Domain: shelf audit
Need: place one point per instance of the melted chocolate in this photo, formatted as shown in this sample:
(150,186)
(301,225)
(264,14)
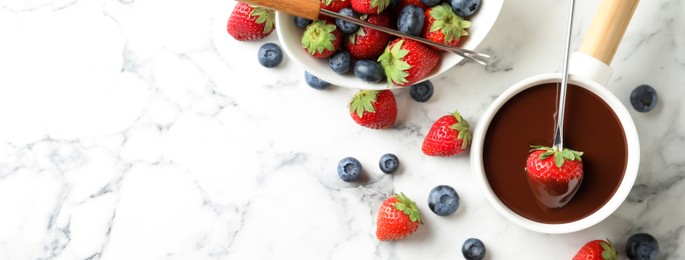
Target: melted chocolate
(528,119)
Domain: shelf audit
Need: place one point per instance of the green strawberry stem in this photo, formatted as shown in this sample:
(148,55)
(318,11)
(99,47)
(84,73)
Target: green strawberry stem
(363,102)
(381,4)
(463,127)
(559,156)
(393,65)
(264,16)
(408,207)
(447,22)
(318,37)
(609,253)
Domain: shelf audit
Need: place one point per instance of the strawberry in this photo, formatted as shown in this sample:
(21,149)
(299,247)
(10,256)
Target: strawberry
(442,25)
(249,23)
(448,136)
(398,217)
(368,43)
(407,61)
(321,39)
(370,6)
(554,176)
(375,109)
(334,5)
(596,249)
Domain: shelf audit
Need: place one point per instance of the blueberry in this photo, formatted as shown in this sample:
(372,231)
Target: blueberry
(643,98)
(430,3)
(302,22)
(349,169)
(465,8)
(389,163)
(421,92)
(642,246)
(368,71)
(411,20)
(443,200)
(315,82)
(270,55)
(340,62)
(345,26)
(473,249)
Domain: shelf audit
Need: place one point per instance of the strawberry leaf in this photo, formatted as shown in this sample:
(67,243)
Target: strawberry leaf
(558,159)
(264,16)
(408,207)
(319,37)
(609,253)
(391,60)
(545,155)
(363,102)
(463,127)
(448,23)
(381,4)
(327,2)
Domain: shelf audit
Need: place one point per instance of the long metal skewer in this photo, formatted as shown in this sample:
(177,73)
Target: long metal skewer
(559,131)
(468,54)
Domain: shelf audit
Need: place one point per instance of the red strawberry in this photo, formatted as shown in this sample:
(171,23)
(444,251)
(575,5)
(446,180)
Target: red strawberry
(321,39)
(596,249)
(375,109)
(398,217)
(407,61)
(370,6)
(368,43)
(442,25)
(448,136)
(334,5)
(553,175)
(248,23)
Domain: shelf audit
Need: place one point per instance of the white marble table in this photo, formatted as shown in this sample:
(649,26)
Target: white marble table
(138,129)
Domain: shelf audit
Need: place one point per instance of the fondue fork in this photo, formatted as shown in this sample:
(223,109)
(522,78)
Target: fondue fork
(559,130)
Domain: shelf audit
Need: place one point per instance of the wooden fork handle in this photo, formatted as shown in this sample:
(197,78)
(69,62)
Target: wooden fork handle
(303,8)
(607,29)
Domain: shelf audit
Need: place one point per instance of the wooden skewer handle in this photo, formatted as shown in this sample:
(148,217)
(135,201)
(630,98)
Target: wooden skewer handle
(607,29)
(303,8)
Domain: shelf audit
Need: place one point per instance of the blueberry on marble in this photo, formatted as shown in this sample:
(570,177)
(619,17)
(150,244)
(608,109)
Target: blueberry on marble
(270,55)
(349,169)
(642,246)
(465,8)
(443,200)
(315,82)
(302,22)
(411,20)
(643,98)
(421,92)
(341,62)
(473,249)
(430,3)
(389,163)
(369,71)
(345,26)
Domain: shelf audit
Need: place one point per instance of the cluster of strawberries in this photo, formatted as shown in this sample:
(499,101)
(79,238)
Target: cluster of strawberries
(404,61)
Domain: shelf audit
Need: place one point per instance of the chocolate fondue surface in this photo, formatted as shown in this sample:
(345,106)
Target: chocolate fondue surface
(527,119)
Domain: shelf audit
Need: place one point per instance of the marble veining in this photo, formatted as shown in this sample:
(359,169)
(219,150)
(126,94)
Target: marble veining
(138,129)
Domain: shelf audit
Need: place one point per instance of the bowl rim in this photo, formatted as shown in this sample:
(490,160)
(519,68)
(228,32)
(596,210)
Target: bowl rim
(629,177)
(284,21)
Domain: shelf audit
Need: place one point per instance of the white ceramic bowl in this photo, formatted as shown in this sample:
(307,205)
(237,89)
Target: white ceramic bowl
(592,72)
(290,37)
